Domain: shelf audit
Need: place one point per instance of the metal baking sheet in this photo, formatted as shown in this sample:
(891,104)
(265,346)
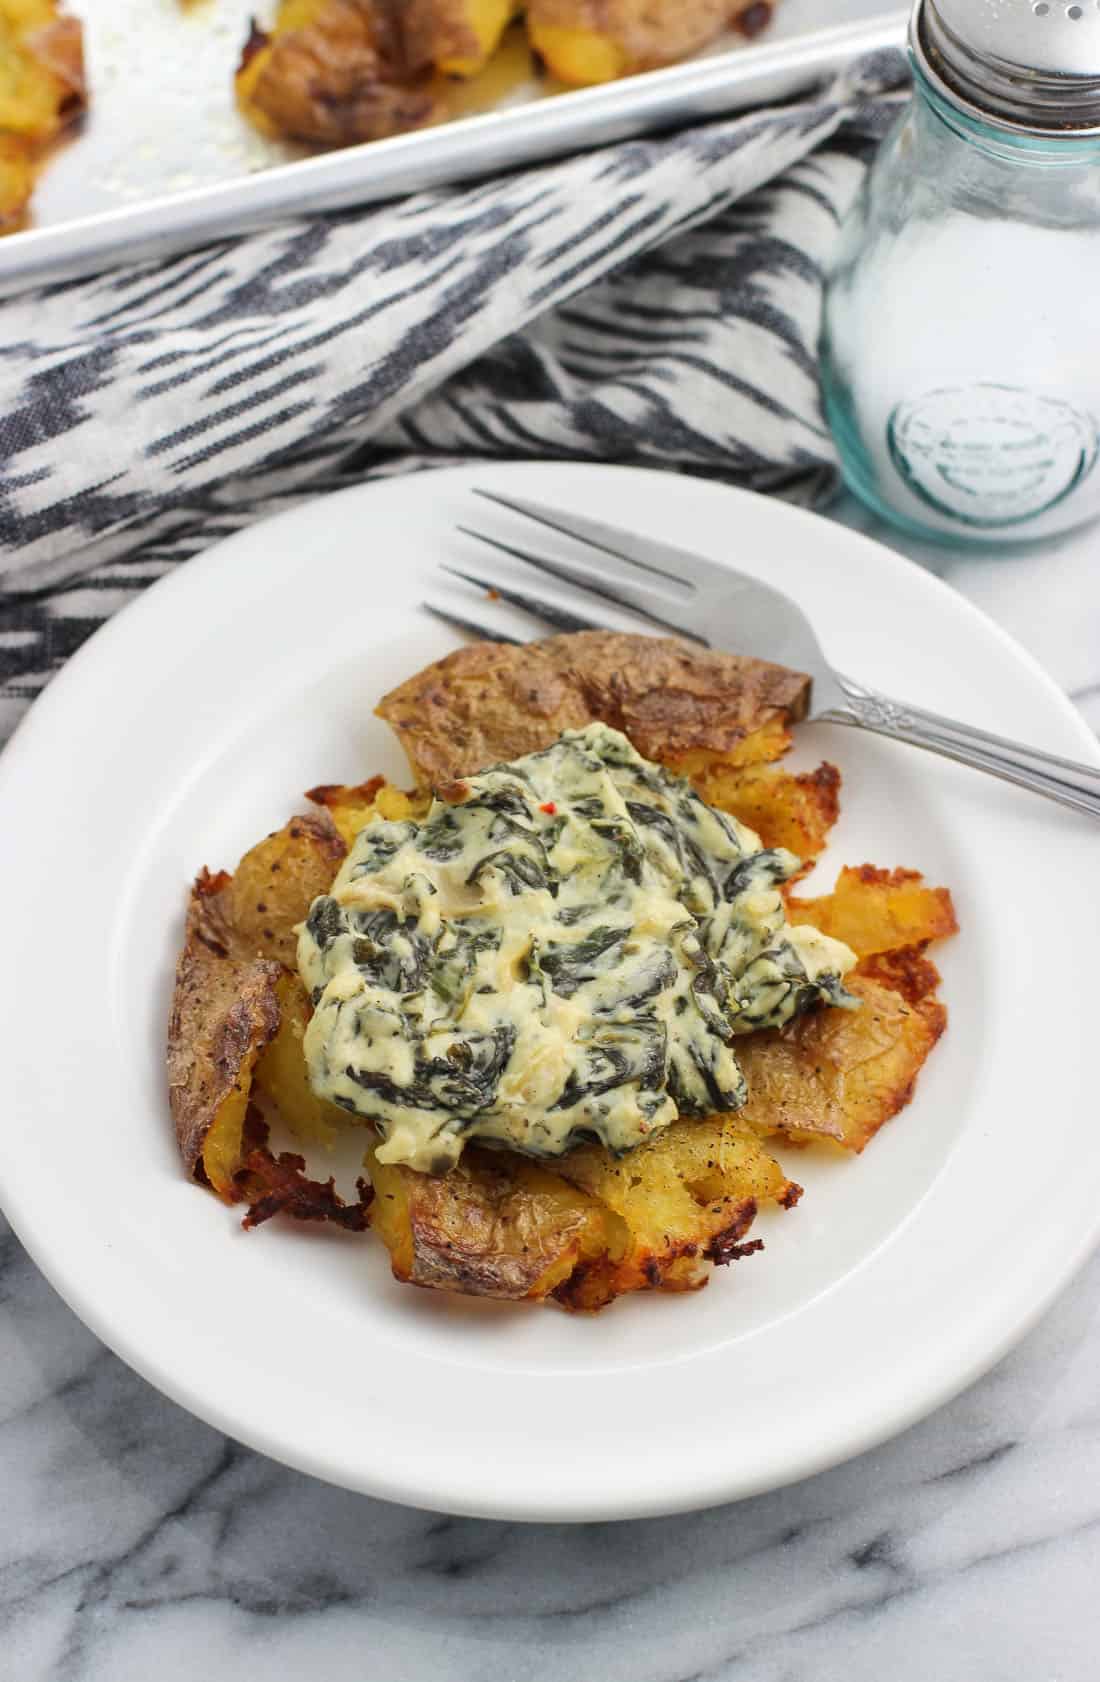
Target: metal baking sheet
(165,161)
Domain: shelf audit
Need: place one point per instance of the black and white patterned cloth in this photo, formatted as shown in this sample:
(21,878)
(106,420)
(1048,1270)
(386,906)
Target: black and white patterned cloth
(655,302)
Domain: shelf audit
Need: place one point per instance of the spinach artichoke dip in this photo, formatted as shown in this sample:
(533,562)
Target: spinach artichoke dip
(566,948)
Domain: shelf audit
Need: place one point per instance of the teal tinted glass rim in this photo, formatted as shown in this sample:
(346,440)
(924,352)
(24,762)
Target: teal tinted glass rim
(984,123)
(1055,148)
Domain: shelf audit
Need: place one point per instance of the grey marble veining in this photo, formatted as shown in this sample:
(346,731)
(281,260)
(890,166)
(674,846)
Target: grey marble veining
(138,1545)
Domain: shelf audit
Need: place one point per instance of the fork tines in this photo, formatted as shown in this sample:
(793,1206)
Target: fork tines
(650,593)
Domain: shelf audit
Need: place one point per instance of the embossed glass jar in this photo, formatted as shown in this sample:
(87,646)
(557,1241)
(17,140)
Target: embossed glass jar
(961,338)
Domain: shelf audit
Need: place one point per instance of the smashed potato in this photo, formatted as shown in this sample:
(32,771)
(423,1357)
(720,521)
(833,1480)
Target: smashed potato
(334,72)
(686,1198)
(497,1225)
(839,1074)
(227,1015)
(42,88)
(586,1228)
(489,701)
(587,41)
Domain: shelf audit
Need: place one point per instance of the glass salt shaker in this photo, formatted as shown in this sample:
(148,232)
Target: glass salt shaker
(961,339)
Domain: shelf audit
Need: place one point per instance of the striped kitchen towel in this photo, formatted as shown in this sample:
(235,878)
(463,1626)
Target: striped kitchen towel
(655,302)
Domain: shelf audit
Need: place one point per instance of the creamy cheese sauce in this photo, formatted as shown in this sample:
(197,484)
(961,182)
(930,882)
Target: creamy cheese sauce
(566,948)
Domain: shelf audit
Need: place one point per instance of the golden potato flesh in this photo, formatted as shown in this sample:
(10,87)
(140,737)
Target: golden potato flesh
(874,910)
(586,41)
(281,1073)
(228,1013)
(685,1198)
(41,68)
(457,37)
(785,810)
(352,807)
(333,72)
(16,180)
(276,883)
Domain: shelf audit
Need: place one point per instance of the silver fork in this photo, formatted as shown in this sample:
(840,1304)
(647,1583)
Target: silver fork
(717,606)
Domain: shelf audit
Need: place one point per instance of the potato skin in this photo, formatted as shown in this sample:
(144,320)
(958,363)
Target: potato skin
(275,884)
(497,1225)
(333,72)
(231,985)
(489,702)
(224,1011)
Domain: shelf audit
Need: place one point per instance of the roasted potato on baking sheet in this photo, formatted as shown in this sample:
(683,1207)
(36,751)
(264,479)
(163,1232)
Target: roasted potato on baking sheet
(586,41)
(585,1228)
(42,89)
(456,37)
(333,72)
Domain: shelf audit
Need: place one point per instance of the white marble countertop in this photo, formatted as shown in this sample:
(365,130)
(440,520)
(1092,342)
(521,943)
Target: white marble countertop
(138,1545)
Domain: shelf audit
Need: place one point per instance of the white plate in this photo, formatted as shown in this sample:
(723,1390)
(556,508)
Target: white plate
(191,724)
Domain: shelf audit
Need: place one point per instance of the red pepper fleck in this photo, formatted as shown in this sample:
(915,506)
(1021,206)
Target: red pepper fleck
(548,806)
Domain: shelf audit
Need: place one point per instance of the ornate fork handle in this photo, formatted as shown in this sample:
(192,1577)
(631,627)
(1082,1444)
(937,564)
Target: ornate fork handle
(1065,780)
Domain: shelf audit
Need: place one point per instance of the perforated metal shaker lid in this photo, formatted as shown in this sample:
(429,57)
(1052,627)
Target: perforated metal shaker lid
(1027,65)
